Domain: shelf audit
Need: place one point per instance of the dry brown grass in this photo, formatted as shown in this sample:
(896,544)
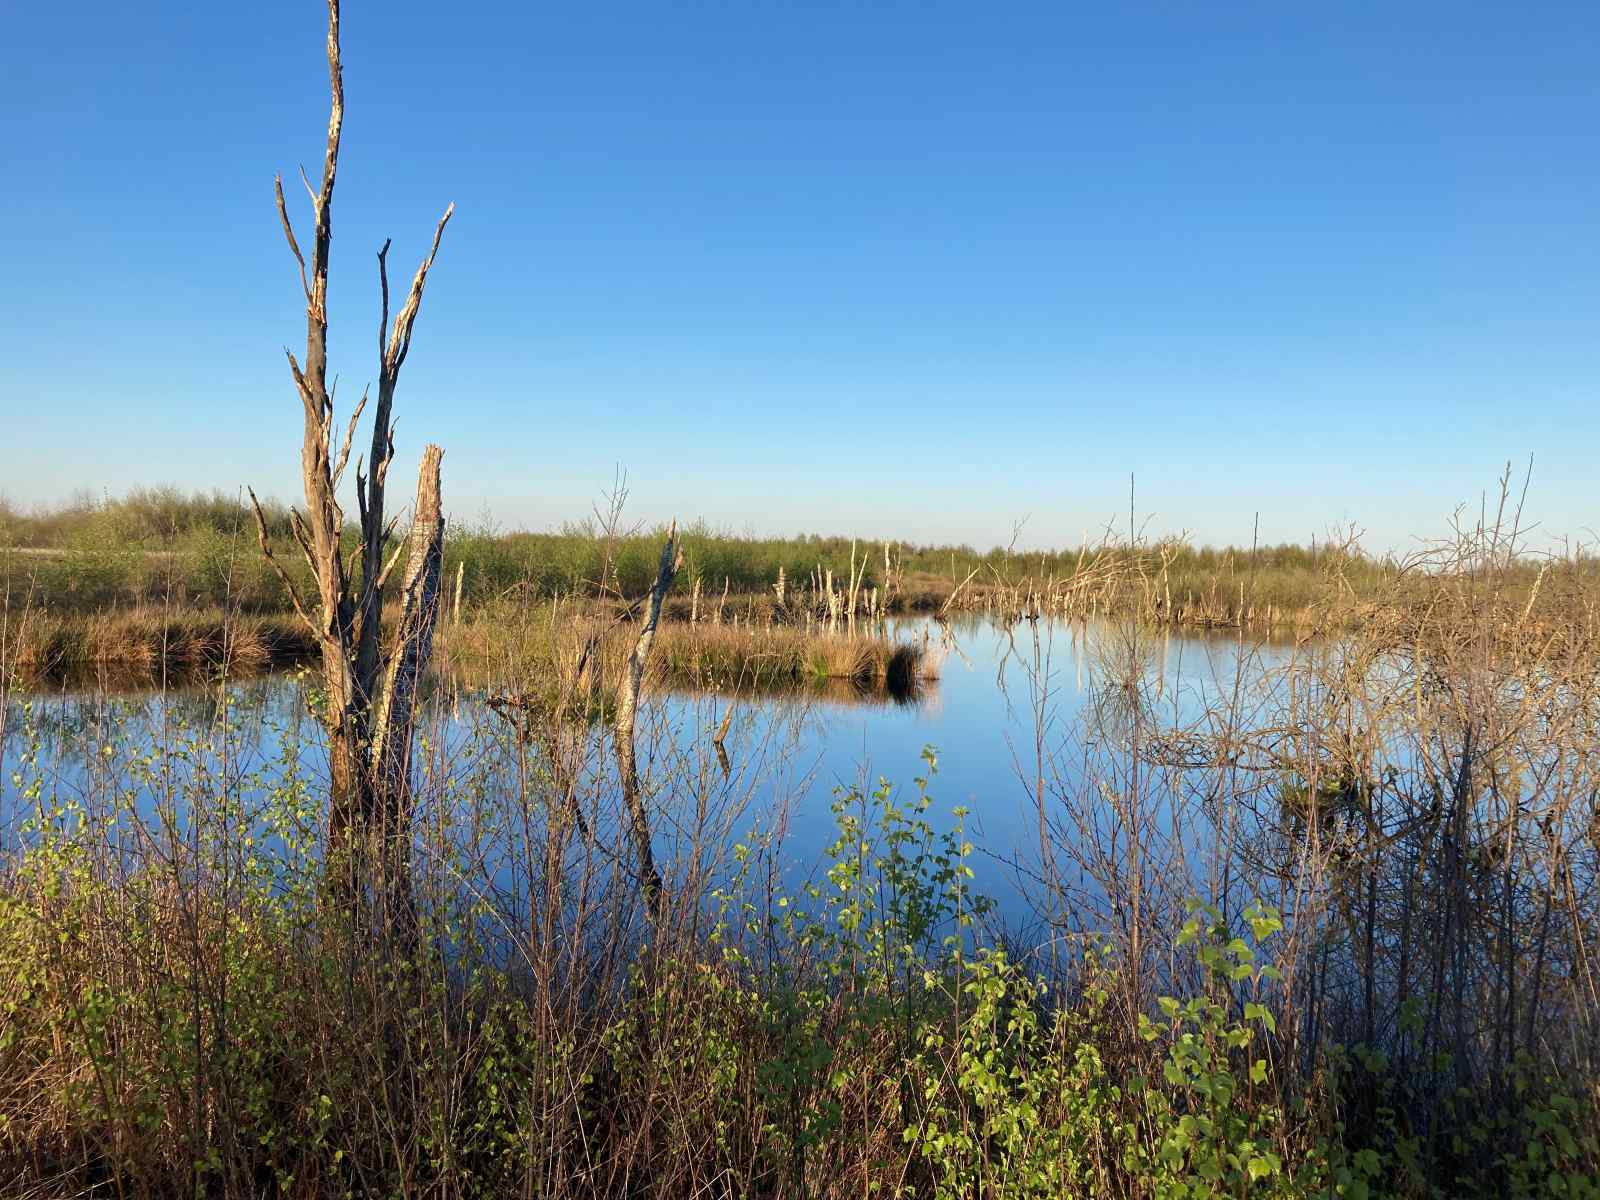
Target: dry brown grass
(563,641)
(149,640)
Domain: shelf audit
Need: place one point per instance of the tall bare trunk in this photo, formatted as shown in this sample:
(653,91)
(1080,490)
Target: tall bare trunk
(627,715)
(394,716)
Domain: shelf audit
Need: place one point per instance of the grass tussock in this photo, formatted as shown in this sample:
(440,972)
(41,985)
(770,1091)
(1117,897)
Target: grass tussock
(150,641)
(709,656)
(562,645)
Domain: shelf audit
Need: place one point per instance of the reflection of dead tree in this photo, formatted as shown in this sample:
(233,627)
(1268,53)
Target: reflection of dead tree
(627,713)
(719,740)
(368,697)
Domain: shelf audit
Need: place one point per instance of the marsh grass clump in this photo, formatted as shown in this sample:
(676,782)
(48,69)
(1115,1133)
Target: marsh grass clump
(149,641)
(565,645)
(770,656)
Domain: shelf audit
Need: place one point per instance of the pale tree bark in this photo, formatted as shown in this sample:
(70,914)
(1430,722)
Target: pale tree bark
(627,715)
(394,715)
(368,775)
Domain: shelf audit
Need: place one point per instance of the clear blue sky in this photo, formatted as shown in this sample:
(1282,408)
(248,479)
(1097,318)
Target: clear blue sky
(891,269)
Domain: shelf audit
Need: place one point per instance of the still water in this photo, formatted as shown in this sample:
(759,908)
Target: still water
(1008,705)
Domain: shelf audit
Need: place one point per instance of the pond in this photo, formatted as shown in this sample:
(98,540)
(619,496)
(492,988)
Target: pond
(1013,712)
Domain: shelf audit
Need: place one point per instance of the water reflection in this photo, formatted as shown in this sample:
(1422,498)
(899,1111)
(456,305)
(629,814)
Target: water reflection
(1009,709)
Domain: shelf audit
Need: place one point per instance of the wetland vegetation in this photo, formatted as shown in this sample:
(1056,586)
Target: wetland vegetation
(340,861)
(1296,916)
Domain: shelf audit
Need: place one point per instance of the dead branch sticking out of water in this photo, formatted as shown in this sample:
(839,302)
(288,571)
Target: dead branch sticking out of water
(627,713)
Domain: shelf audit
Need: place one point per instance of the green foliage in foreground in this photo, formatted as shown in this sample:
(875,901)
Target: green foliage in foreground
(200,1020)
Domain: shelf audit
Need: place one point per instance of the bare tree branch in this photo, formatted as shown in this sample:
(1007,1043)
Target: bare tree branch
(380,469)
(297,526)
(288,232)
(383,287)
(383,575)
(349,434)
(300,383)
(406,318)
(277,567)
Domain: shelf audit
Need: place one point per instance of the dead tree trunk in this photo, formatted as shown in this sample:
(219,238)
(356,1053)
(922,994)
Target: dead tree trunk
(394,713)
(627,714)
(394,717)
(367,780)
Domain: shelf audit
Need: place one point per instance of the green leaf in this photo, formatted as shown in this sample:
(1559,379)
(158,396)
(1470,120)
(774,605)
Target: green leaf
(1258,1012)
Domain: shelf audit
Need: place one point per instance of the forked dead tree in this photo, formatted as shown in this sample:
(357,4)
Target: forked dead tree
(369,698)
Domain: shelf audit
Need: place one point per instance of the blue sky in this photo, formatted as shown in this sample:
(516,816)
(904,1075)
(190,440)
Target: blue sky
(914,270)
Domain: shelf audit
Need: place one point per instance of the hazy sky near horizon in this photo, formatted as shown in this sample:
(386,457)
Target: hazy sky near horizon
(913,270)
